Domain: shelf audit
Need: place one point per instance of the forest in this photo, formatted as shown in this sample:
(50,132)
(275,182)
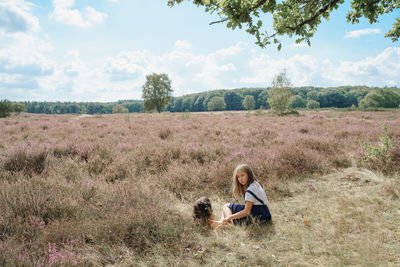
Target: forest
(224,99)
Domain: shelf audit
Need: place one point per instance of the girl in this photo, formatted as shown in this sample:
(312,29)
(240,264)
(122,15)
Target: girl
(244,184)
(202,211)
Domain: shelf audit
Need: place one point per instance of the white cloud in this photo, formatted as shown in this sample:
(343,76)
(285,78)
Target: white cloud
(300,68)
(64,13)
(73,66)
(182,44)
(23,64)
(231,50)
(15,17)
(383,69)
(122,76)
(93,16)
(304,70)
(14,81)
(27,44)
(31,65)
(359,33)
(71,54)
(26,57)
(188,71)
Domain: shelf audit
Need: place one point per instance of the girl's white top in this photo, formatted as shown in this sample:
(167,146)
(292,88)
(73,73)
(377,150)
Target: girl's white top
(258,191)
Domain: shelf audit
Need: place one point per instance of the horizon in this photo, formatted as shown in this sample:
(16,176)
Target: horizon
(79,51)
(203,92)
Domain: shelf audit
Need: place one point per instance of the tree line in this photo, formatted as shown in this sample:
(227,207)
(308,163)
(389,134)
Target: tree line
(121,106)
(235,99)
(302,97)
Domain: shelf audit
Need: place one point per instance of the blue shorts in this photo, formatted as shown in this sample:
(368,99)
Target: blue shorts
(258,212)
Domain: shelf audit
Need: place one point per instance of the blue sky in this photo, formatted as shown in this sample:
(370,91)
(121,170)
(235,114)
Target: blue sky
(86,50)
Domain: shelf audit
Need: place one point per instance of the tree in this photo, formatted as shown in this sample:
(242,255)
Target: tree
(381,98)
(119,109)
(216,103)
(233,100)
(331,97)
(18,107)
(156,92)
(293,18)
(5,108)
(280,94)
(297,102)
(211,95)
(312,104)
(198,104)
(187,103)
(262,100)
(313,95)
(351,99)
(249,102)
(178,105)
(392,98)
(134,107)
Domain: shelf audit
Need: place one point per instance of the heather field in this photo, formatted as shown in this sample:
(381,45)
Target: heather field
(118,190)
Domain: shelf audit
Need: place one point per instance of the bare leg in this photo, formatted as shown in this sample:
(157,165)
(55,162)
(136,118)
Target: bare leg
(226,211)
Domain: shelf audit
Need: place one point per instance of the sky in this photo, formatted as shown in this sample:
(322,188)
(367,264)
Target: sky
(102,50)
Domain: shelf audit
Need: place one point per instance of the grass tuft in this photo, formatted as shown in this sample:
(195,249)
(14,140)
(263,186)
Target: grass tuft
(27,161)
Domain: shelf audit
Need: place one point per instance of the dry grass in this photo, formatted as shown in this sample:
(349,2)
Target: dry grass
(107,190)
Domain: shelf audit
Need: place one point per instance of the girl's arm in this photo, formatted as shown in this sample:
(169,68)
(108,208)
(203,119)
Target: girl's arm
(214,224)
(240,214)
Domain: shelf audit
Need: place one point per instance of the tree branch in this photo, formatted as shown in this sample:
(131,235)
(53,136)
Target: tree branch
(255,7)
(319,13)
(218,21)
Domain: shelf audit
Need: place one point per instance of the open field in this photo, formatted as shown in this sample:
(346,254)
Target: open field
(118,190)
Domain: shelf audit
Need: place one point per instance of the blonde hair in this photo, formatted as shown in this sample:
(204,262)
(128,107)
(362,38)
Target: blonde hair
(237,188)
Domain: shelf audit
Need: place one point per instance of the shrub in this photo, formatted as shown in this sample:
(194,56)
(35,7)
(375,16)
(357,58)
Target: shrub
(62,151)
(312,104)
(383,157)
(183,180)
(341,162)
(164,133)
(69,169)
(26,161)
(98,159)
(291,161)
(119,109)
(216,103)
(248,102)
(155,161)
(18,107)
(304,130)
(5,108)
(325,147)
(117,173)
(34,197)
(97,164)
(142,222)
